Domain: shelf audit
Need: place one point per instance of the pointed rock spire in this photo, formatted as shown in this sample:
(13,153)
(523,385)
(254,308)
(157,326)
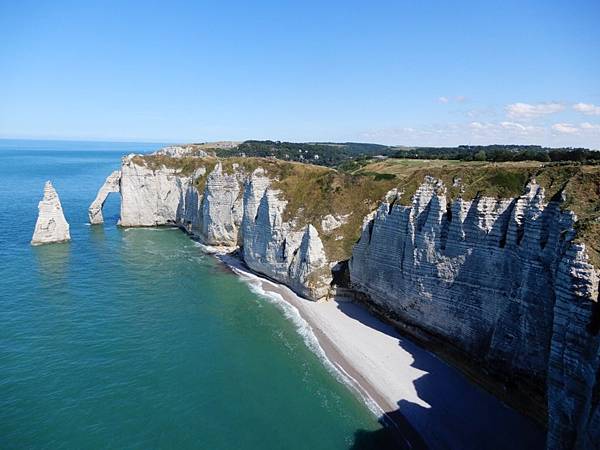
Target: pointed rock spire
(51,225)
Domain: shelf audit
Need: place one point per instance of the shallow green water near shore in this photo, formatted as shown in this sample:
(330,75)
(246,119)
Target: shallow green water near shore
(135,339)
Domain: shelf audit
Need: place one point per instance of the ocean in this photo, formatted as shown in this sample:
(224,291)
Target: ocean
(136,339)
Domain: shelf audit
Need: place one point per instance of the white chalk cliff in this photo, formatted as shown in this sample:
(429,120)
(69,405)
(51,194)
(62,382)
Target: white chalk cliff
(503,280)
(51,225)
(179,151)
(233,210)
(112,184)
(150,197)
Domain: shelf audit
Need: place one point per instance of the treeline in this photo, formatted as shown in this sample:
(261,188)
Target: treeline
(500,153)
(349,155)
(321,153)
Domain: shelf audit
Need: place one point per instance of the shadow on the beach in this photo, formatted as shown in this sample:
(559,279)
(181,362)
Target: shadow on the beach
(396,434)
(360,313)
(460,414)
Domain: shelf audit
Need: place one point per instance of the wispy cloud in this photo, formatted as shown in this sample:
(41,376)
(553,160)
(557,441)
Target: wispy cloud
(530,111)
(456,99)
(585,134)
(565,128)
(459,133)
(497,129)
(587,108)
(587,128)
(479,126)
(515,126)
(590,126)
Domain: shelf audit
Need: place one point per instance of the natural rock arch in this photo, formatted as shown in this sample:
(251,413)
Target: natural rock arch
(112,184)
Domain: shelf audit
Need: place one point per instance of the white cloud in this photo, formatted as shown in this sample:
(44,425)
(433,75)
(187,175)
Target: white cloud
(587,108)
(565,128)
(590,126)
(585,134)
(528,111)
(477,125)
(514,126)
(455,99)
(584,128)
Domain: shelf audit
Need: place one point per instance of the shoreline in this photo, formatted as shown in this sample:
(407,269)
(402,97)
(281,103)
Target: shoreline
(424,401)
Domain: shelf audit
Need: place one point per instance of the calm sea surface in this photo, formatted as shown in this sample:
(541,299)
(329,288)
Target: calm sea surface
(133,339)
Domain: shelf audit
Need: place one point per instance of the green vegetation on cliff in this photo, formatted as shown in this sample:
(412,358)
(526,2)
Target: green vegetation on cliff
(579,183)
(312,191)
(499,153)
(318,153)
(346,154)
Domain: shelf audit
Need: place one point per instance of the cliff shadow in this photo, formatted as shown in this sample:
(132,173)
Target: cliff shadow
(453,412)
(366,316)
(392,436)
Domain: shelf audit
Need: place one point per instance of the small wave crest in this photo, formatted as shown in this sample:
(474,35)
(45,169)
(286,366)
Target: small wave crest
(151,228)
(303,328)
(210,249)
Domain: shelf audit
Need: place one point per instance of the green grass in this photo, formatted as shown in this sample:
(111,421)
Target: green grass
(580,183)
(312,191)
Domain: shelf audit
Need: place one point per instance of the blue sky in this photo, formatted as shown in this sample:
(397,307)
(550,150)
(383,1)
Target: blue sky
(413,73)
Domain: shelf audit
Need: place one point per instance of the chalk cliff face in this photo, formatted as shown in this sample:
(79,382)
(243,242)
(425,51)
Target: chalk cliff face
(51,225)
(501,279)
(179,151)
(235,209)
(150,197)
(574,362)
(277,248)
(222,207)
(504,280)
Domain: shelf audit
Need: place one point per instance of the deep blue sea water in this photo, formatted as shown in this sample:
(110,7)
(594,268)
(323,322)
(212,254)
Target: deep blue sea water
(134,339)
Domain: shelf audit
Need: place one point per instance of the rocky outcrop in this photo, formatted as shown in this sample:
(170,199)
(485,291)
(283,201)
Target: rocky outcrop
(180,151)
(111,184)
(501,279)
(330,222)
(278,249)
(150,197)
(236,209)
(51,225)
(222,207)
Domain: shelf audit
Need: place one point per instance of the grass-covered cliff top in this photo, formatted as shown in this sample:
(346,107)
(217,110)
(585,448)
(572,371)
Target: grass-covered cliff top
(339,154)
(580,183)
(314,191)
(311,191)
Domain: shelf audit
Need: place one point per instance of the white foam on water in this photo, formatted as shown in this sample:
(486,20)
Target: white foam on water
(150,228)
(212,250)
(303,328)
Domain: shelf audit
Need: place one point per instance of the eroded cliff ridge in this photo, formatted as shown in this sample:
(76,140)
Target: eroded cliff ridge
(499,261)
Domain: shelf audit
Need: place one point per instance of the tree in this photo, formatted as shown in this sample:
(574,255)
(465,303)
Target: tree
(480,156)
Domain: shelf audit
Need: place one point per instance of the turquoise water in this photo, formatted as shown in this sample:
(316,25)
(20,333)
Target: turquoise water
(132,338)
